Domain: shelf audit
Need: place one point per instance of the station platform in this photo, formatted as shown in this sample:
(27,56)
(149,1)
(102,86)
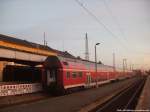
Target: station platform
(73,102)
(144,100)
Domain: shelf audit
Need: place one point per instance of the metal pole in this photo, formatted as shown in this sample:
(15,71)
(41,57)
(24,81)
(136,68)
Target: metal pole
(96,64)
(114,65)
(86,48)
(44,40)
(123,66)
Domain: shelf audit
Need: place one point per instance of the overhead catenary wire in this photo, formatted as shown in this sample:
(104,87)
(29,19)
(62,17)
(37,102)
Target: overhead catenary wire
(101,23)
(114,18)
(98,20)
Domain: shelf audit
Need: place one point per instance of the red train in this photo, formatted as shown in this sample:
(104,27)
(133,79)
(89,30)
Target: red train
(63,74)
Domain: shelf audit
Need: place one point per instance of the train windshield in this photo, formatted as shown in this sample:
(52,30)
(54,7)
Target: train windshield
(51,76)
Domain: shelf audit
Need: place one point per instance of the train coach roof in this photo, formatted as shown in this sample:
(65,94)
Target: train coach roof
(85,64)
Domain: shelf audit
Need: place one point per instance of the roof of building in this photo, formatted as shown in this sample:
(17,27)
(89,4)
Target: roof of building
(42,47)
(23,42)
(34,45)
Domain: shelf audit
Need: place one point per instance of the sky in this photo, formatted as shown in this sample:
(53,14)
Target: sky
(120,26)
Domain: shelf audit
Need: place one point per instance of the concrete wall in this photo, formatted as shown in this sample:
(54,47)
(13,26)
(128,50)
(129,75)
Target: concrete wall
(1,76)
(1,70)
(2,65)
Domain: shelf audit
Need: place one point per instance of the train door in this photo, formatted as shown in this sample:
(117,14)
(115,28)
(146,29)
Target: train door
(51,76)
(88,79)
(108,78)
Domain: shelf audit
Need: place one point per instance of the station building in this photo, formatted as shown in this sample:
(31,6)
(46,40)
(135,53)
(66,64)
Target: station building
(19,45)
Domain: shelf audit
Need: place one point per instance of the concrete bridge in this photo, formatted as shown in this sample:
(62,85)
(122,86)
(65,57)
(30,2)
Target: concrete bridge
(22,51)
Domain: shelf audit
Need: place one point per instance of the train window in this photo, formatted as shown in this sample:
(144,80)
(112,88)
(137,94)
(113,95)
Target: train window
(68,75)
(80,74)
(74,74)
(52,74)
(65,63)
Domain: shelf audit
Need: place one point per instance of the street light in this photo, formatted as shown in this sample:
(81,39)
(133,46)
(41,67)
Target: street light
(96,64)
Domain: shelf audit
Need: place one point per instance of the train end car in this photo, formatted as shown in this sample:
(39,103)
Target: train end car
(63,74)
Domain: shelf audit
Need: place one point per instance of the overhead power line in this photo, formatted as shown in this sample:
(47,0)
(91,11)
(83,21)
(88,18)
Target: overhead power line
(115,20)
(100,23)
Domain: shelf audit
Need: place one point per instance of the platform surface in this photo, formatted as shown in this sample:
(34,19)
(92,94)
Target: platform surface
(72,102)
(144,100)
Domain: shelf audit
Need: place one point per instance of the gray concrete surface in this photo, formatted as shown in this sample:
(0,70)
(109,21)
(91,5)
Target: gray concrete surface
(72,102)
(144,101)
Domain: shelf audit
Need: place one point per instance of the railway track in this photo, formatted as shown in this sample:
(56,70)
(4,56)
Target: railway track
(123,101)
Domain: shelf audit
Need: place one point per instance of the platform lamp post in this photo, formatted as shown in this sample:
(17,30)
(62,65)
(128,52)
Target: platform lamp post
(96,65)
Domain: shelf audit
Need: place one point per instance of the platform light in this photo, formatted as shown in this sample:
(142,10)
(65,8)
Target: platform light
(96,64)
